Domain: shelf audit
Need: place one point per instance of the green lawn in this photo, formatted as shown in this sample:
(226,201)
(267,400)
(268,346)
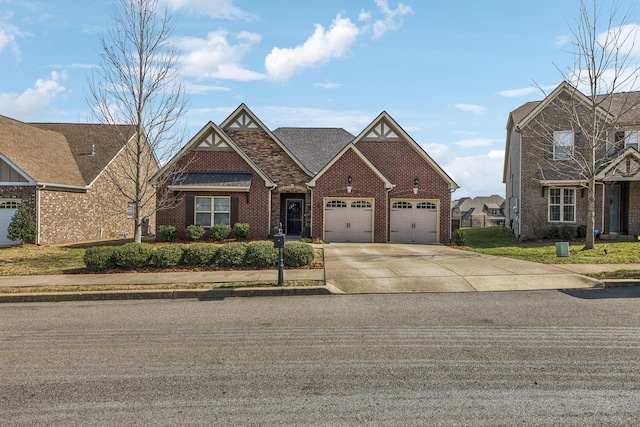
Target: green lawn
(500,242)
(36,260)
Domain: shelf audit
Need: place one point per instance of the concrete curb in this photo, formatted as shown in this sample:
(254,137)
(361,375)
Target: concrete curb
(620,283)
(203,294)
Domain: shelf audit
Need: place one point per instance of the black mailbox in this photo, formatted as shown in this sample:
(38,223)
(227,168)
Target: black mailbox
(278,240)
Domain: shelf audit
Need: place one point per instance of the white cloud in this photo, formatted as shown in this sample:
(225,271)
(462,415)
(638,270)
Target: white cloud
(323,45)
(513,93)
(215,57)
(475,109)
(33,101)
(195,89)
(392,18)
(327,85)
(479,175)
(624,39)
(8,34)
(562,40)
(476,142)
(225,9)
(438,152)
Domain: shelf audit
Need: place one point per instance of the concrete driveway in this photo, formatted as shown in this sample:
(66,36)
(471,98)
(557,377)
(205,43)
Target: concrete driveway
(390,268)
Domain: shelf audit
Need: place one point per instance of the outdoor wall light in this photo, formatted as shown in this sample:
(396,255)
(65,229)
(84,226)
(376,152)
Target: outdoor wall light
(415,186)
(349,187)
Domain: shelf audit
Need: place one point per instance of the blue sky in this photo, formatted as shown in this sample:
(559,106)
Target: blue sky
(448,72)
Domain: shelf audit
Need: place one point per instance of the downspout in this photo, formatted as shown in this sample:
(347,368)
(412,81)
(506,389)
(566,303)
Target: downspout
(387,213)
(602,213)
(311,212)
(38,201)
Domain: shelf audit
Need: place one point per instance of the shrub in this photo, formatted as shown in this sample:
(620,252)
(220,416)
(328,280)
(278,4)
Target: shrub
(167,233)
(194,232)
(200,254)
(261,254)
(551,233)
(568,232)
(232,254)
(459,238)
(22,226)
(219,232)
(581,231)
(241,231)
(306,232)
(99,258)
(167,256)
(297,254)
(133,255)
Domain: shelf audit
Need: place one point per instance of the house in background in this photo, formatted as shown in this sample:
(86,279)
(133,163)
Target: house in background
(60,171)
(378,186)
(543,186)
(477,212)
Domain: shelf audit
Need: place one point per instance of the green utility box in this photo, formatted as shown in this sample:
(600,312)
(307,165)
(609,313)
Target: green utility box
(562,248)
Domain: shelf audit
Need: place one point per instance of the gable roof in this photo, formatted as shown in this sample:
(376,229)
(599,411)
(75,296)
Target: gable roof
(397,132)
(351,146)
(314,147)
(244,119)
(211,127)
(93,146)
(626,167)
(43,155)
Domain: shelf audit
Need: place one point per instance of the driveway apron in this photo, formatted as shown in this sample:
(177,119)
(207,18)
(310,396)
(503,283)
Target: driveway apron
(392,268)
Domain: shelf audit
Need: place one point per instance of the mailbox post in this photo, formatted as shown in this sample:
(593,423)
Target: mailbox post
(278,243)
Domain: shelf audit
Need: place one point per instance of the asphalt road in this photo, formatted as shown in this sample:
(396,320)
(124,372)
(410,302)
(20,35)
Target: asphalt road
(504,358)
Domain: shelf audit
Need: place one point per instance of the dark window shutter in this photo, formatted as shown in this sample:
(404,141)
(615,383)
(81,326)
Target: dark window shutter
(189,213)
(234,210)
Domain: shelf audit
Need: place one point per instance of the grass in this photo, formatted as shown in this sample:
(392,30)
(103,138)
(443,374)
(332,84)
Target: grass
(501,242)
(42,260)
(177,286)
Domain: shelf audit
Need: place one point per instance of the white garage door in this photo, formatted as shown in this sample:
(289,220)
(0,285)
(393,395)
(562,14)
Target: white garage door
(348,220)
(414,221)
(7,209)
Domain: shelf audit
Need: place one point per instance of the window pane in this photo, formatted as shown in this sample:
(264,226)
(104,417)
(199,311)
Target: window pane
(554,213)
(203,204)
(569,213)
(221,204)
(221,218)
(554,196)
(568,197)
(562,145)
(203,219)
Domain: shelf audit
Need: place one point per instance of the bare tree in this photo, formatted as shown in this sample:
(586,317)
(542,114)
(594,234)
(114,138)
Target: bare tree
(138,86)
(604,67)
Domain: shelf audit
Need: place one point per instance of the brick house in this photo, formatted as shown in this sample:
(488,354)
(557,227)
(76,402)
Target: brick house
(379,186)
(60,170)
(480,211)
(544,188)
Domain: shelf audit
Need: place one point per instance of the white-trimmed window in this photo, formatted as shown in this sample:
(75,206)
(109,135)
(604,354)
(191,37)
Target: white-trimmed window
(562,145)
(130,209)
(212,210)
(562,205)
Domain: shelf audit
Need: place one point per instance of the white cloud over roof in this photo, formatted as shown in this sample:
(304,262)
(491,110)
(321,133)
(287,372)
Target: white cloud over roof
(225,9)
(34,100)
(322,46)
(472,108)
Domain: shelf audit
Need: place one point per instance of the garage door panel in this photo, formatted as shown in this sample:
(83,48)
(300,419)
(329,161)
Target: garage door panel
(413,221)
(348,221)
(7,210)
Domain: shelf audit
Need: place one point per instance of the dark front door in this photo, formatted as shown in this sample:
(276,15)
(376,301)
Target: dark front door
(294,216)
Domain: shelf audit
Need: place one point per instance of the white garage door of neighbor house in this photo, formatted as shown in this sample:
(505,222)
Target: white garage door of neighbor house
(414,221)
(7,209)
(348,221)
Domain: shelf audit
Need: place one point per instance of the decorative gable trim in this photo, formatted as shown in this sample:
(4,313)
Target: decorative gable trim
(625,168)
(213,131)
(382,131)
(569,89)
(351,146)
(244,119)
(12,172)
(385,124)
(213,141)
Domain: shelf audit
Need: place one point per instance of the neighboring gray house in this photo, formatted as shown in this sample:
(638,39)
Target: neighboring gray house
(478,212)
(543,185)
